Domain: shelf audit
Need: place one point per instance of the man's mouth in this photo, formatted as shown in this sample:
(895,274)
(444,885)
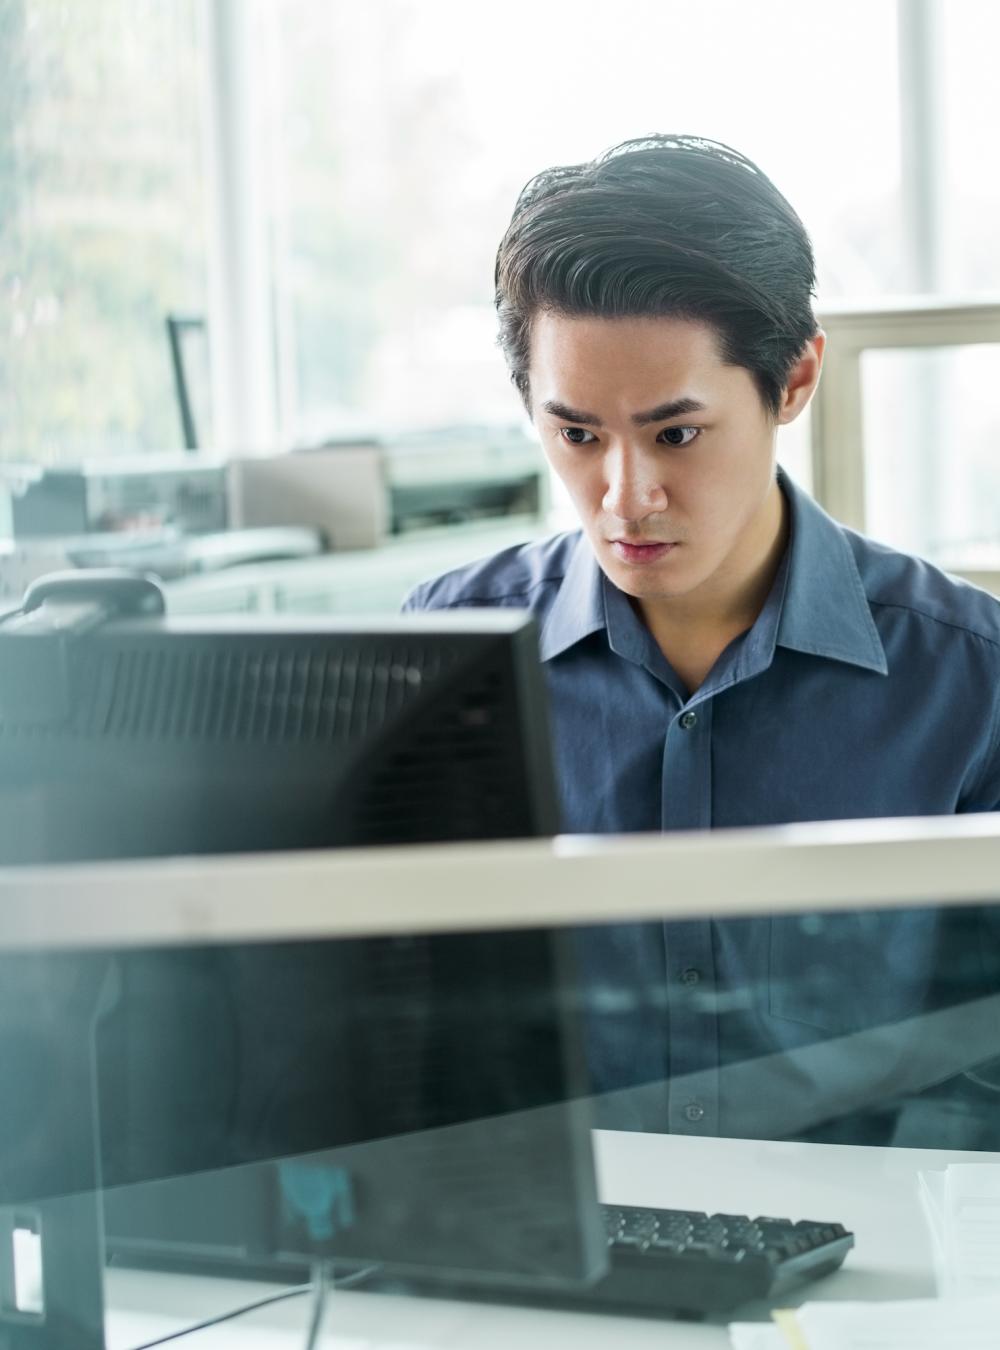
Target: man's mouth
(639,553)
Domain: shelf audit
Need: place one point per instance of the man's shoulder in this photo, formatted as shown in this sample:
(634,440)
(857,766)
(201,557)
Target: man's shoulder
(525,576)
(901,581)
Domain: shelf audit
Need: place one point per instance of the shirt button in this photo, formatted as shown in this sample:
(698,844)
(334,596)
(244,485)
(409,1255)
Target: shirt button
(690,976)
(694,1111)
(689,720)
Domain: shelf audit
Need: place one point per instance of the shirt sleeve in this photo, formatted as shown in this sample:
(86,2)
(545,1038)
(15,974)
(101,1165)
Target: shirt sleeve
(414,599)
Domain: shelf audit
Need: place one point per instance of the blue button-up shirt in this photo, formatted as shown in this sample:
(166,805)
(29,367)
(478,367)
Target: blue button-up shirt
(869,685)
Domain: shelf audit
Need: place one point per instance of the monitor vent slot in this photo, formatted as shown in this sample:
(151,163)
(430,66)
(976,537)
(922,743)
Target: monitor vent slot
(463,758)
(257,694)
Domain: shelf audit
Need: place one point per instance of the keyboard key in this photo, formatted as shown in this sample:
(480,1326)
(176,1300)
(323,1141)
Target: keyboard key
(687,1262)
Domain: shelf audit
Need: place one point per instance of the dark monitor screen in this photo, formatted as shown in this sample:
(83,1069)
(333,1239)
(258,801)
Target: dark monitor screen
(153,736)
(444,1071)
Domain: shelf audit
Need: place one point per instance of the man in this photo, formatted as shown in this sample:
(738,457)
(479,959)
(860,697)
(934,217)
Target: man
(719,651)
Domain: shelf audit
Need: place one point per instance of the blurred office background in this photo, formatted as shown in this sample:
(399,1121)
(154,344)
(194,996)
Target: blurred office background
(306,196)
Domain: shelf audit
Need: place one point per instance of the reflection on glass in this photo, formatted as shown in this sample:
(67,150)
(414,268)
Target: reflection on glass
(418,1110)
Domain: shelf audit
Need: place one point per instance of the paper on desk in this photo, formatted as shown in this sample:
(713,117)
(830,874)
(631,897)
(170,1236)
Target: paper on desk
(962,1207)
(930,1191)
(972,1227)
(756,1336)
(916,1324)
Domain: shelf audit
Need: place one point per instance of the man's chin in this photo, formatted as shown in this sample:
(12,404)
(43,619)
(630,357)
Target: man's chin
(647,584)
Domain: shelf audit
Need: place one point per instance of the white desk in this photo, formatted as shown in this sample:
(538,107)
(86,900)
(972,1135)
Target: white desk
(872,1191)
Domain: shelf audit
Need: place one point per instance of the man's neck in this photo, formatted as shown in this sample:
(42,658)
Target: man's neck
(693,630)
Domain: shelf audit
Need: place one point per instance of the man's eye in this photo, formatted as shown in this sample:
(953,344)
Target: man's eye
(680,435)
(577,435)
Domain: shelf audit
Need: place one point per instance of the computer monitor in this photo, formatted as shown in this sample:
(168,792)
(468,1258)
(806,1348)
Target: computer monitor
(439,1074)
(150,736)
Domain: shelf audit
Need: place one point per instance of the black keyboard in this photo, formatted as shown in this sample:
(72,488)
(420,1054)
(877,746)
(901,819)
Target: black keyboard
(678,1262)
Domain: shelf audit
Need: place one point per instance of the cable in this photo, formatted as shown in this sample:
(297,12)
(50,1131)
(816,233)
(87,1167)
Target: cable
(986,1083)
(359,1276)
(318,1286)
(319,1283)
(297,1292)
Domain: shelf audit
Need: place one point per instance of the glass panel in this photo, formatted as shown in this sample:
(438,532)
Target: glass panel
(470,1070)
(931,431)
(529,1116)
(101,222)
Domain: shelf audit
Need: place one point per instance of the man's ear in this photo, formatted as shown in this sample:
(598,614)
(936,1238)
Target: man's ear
(802,379)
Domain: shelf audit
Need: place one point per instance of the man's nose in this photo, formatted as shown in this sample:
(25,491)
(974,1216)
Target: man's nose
(632,485)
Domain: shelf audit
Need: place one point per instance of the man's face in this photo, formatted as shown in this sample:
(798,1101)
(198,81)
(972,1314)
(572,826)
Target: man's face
(666,452)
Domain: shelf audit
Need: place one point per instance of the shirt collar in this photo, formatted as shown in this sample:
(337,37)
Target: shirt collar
(825,611)
(578,609)
(817,605)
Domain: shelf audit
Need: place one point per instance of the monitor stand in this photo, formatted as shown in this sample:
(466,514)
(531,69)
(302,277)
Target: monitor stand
(52,1275)
(52,1249)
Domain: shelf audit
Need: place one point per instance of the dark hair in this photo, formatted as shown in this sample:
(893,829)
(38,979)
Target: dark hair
(662,226)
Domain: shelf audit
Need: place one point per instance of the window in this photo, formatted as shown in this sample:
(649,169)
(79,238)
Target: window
(931,468)
(389,142)
(101,222)
(968,107)
(405,131)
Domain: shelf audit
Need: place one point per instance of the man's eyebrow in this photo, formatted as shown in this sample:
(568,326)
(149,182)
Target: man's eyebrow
(678,407)
(566,414)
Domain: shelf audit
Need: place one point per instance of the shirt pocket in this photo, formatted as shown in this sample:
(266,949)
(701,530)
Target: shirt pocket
(844,972)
